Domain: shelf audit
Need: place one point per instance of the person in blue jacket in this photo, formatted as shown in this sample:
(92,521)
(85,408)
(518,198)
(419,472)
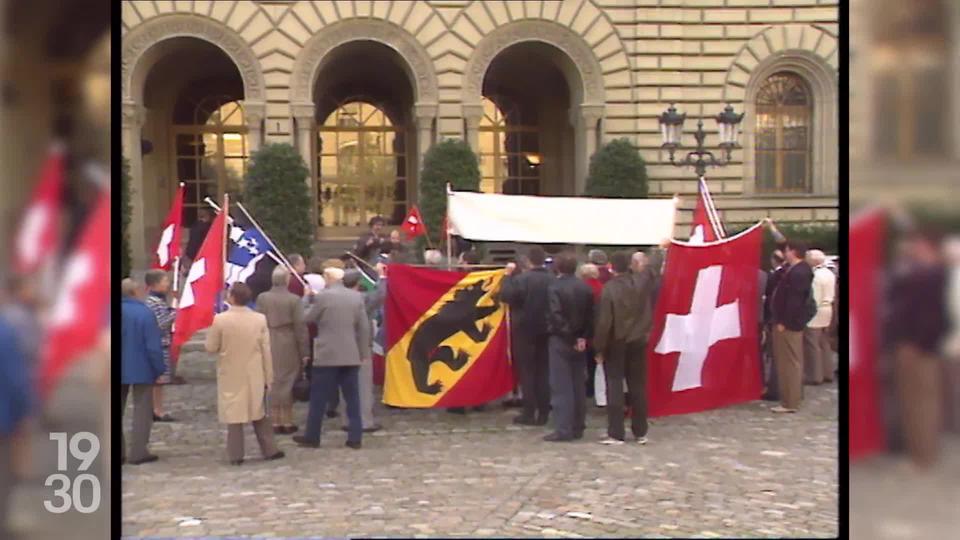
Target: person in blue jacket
(15,398)
(141,365)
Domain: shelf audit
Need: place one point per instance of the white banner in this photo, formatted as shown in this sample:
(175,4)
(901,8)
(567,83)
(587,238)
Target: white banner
(560,220)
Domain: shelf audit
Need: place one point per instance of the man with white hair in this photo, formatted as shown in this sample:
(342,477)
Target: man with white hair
(433,257)
(818,357)
(342,345)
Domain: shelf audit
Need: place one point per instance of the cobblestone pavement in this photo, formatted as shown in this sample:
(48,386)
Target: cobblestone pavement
(891,501)
(740,471)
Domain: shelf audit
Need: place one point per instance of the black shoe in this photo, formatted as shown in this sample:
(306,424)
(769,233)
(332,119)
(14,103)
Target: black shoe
(457,410)
(290,429)
(480,408)
(373,428)
(278,455)
(355,445)
(149,458)
(237,462)
(577,436)
(524,421)
(541,420)
(176,379)
(165,418)
(556,437)
(279,430)
(304,442)
(332,414)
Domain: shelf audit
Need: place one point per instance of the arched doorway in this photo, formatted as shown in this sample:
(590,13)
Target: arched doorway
(365,143)
(194,130)
(526,142)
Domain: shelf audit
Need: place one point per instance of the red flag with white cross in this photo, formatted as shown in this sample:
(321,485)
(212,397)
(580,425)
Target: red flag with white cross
(867,232)
(707,226)
(168,247)
(36,240)
(413,224)
(704,349)
(204,282)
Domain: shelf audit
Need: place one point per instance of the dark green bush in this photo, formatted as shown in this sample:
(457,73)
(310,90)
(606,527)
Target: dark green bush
(451,161)
(276,195)
(617,170)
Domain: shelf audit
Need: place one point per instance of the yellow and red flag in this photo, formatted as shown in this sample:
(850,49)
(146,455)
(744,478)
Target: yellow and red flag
(447,338)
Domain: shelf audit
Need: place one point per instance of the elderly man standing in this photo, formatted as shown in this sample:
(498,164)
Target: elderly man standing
(790,317)
(599,258)
(288,346)
(342,344)
(817,355)
(141,364)
(351,280)
(295,286)
(158,286)
(241,339)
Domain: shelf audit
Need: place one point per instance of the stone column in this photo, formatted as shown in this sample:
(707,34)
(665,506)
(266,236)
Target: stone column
(584,120)
(425,114)
(303,117)
(472,114)
(254,112)
(133,117)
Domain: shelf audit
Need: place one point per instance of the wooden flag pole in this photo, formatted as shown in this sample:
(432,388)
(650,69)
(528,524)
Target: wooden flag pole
(176,260)
(275,248)
(446,227)
(223,254)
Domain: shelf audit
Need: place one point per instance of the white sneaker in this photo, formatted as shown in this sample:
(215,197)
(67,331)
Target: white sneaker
(610,441)
(641,440)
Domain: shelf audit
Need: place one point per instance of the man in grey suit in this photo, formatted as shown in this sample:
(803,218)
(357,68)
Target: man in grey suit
(351,280)
(342,345)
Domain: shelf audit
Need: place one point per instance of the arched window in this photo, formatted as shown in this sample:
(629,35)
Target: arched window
(210,138)
(510,156)
(784,109)
(362,166)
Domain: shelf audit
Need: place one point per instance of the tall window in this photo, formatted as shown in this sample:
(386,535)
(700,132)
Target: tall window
(509,149)
(910,61)
(211,151)
(362,166)
(783,145)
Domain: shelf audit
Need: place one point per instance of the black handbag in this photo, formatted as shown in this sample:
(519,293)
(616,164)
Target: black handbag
(301,388)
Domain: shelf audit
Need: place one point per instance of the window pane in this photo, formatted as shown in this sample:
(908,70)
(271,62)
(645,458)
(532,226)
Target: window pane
(186,169)
(234,145)
(186,144)
(795,171)
(795,138)
(487,139)
(930,131)
(766,171)
(487,185)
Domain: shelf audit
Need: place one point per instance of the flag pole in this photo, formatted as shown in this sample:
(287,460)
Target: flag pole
(223,248)
(446,227)
(176,260)
(274,246)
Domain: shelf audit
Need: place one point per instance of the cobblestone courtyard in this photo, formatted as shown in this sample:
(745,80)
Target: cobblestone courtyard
(740,471)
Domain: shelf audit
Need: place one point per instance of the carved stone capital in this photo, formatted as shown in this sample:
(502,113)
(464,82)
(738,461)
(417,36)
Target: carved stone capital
(311,57)
(585,116)
(303,113)
(425,113)
(134,114)
(254,112)
(573,45)
(164,27)
(473,113)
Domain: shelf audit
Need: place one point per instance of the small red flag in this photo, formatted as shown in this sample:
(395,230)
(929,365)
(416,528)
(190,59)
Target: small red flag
(37,237)
(78,314)
(204,281)
(706,220)
(168,247)
(413,224)
(866,243)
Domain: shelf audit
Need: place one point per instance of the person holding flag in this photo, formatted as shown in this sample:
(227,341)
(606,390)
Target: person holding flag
(370,243)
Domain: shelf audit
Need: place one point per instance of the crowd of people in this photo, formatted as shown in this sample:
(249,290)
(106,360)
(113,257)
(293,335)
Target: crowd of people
(577,331)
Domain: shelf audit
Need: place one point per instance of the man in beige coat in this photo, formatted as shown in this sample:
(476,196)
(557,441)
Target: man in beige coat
(342,344)
(288,346)
(241,340)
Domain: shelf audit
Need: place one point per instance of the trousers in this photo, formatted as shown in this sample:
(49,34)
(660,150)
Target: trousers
(920,390)
(6,481)
(626,360)
(365,384)
(788,357)
(325,382)
(534,362)
(262,428)
(142,419)
(817,356)
(568,393)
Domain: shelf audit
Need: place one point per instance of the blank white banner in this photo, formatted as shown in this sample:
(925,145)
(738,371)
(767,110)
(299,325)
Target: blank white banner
(560,220)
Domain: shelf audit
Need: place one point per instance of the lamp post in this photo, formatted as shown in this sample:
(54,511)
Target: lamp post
(671,128)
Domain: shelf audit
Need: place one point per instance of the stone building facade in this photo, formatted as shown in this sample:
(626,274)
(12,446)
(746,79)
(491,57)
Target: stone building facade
(363,88)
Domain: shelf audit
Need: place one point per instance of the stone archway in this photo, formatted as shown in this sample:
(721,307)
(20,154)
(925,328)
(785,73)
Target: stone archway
(138,43)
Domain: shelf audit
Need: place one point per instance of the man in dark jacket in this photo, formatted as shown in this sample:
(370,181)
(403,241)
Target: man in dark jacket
(141,364)
(789,316)
(569,325)
(624,318)
(526,294)
(370,243)
(14,406)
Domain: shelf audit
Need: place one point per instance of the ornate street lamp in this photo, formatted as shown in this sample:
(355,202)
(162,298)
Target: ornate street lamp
(671,128)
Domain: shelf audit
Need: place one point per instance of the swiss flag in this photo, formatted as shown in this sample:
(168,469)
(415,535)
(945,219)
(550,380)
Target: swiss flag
(413,224)
(77,315)
(36,239)
(706,221)
(704,349)
(867,232)
(204,282)
(168,247)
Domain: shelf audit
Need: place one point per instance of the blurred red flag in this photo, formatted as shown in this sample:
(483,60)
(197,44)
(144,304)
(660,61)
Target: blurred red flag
(706,221)
(37,237)
(704,349)
(867,232)
(78,314)
(413,224)
(168,247)
(204,281)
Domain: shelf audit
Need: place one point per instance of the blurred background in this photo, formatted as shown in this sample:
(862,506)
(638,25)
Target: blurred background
(54,320)
(905,160)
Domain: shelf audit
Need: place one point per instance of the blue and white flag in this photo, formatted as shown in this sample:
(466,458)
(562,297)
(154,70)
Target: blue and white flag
(248,249)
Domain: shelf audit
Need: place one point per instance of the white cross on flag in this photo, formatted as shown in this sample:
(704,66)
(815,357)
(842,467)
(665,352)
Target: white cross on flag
(704,349)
